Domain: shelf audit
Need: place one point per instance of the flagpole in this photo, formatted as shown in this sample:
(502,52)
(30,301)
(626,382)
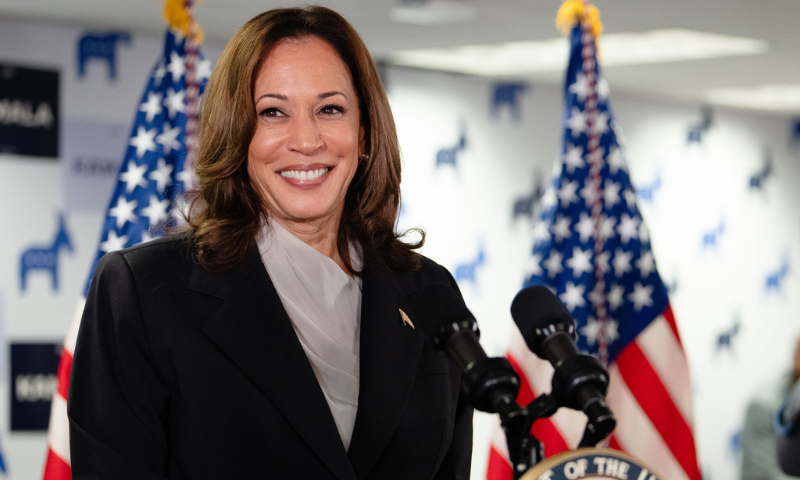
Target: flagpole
(594,155)
(192,98)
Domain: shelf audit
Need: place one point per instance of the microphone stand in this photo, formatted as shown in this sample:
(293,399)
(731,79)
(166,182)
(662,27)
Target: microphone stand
(569,380)
(492,385)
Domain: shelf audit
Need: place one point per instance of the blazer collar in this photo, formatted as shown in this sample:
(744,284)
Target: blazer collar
(390,354)
(253,329)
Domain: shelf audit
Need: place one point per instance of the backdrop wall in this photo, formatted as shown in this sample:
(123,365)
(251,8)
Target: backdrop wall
(723,226)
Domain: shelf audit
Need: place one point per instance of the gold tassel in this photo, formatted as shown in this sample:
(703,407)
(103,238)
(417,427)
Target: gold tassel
(177,17)
(573,11)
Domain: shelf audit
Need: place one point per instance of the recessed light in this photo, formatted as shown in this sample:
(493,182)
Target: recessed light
(616,49)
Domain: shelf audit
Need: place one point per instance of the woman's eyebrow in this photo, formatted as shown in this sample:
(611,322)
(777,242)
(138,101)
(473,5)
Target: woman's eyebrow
(279,96)
(330,94)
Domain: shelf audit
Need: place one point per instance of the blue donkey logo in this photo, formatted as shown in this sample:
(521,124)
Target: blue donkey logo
(447,156)
(758,178)
(648,192)
(726,338)
(711,238)
(698,130)
(102,46)
(524,206)
(466,271)
(507,94)
(45,258)
(775,280)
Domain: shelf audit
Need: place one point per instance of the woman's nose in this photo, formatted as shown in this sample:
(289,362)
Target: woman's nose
(305,136)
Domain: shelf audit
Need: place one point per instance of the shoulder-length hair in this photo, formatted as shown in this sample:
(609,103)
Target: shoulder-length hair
(228,211)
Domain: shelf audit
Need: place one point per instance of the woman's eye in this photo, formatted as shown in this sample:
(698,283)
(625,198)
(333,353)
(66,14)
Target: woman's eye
(332,109)
(271,112)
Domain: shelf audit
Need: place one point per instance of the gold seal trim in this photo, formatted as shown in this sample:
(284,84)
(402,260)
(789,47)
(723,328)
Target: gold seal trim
(556,466)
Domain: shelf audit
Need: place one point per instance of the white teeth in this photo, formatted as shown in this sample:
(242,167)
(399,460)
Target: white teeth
(304,175)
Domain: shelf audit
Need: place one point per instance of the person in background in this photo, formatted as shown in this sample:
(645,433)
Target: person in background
(759,461)
(275,337)
(787,420)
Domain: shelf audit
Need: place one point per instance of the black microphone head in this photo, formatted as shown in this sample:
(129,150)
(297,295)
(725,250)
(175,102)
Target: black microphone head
(538,314)
(440,312)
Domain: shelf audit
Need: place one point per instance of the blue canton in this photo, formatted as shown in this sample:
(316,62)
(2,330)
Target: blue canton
(152,177)
(563,256)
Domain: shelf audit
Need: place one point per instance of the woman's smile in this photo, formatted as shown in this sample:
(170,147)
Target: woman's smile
(305,176)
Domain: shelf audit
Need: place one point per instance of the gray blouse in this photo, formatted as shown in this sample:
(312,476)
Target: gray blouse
(324,305)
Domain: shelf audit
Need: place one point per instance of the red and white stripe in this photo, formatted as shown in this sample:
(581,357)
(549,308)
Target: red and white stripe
(57,465)
(649,392)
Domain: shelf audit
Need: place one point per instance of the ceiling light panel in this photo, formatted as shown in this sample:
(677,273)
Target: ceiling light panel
(775,98)
(616,49)
(433,12)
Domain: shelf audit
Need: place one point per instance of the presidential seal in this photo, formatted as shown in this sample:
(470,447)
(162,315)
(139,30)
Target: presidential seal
(596,463)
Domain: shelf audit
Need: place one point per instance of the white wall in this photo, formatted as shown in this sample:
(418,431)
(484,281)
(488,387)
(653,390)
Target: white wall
(464,209)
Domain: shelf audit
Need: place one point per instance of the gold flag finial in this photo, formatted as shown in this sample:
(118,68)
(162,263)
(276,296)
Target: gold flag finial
(176,14)
(574,11)
(406,320)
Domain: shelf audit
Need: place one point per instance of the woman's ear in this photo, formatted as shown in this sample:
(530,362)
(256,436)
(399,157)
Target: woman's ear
(362,144)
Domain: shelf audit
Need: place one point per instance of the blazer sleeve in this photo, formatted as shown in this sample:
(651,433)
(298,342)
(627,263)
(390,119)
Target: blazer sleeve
(457,462)
(118,400)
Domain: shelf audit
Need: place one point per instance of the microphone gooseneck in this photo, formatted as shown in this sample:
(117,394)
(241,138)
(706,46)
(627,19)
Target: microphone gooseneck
(490,383)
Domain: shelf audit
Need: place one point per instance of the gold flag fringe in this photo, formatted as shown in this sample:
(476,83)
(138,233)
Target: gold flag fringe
(572,12)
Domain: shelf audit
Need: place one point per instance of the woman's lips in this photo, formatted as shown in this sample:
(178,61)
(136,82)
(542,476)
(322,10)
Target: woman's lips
(304,176)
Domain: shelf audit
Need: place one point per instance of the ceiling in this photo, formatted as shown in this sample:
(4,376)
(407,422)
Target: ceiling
(775,21)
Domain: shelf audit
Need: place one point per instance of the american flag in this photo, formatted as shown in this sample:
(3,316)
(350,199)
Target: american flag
(155,173)
(592,248)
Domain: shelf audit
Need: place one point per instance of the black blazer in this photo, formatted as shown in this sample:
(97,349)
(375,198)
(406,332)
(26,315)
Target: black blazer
(184,374)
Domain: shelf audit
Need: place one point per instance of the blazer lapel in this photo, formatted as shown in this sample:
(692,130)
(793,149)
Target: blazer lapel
(390,352)
(253,329)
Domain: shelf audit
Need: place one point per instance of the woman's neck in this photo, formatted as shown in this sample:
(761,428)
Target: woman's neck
(321,235)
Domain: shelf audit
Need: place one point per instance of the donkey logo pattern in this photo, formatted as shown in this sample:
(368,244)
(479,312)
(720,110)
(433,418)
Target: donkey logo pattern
(466,272)
(448,156)
(507,95)
(775,280)
(101,46)
(45,258)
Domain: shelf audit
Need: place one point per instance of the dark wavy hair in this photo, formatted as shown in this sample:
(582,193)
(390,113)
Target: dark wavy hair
(228,211)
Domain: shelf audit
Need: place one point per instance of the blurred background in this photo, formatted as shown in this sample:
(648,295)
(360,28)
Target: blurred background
(706,96)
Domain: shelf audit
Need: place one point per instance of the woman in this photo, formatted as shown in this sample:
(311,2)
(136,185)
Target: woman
(268,341)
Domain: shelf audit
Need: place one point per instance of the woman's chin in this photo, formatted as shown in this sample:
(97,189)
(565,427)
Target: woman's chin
(306,214)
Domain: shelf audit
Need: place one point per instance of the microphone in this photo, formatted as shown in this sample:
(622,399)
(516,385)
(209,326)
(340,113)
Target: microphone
(580,382)
(491,384)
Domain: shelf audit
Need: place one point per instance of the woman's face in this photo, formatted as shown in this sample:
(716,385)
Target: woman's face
(308,137)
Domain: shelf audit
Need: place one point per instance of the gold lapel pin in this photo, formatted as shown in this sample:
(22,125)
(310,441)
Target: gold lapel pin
(406,320)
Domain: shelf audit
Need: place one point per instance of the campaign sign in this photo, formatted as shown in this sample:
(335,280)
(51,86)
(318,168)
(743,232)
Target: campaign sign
(28,111)
(595,463)
(34,368)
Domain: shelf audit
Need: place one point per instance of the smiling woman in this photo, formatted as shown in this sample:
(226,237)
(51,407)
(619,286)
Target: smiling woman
(274,338)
